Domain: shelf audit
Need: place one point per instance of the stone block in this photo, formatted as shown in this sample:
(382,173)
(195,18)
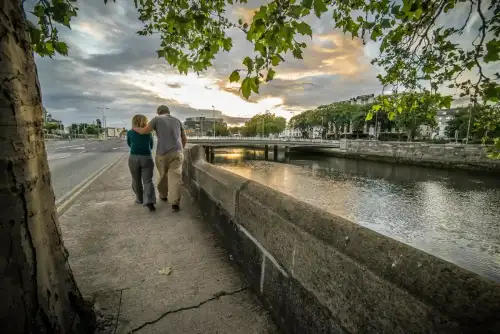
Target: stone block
(221,185)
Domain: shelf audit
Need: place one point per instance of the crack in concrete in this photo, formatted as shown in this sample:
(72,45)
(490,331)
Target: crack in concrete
(118,313)
(216,296)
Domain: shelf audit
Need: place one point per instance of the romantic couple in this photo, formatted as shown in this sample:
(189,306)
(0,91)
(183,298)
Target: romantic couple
(171,142)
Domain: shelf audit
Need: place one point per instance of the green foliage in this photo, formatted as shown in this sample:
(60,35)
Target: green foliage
(220,130)
(335,115)
(264,125)
(44,34)
(413,50)
(485,123)
(83,128)
(50,127)
(411,110)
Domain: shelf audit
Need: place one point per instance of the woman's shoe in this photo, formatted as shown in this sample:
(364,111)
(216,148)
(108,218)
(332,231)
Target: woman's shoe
(138,202)
(151,207)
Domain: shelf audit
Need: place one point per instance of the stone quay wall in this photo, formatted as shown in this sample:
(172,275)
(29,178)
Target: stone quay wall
(470,157)
(318,273)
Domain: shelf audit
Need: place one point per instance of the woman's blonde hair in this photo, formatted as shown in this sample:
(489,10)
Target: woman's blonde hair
(139,121)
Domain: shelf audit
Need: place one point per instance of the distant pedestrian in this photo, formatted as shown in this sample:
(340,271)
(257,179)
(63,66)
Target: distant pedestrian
(141,163)
(169,157)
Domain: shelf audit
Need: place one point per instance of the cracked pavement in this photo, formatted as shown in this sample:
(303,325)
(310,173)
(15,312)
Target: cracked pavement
(118,252)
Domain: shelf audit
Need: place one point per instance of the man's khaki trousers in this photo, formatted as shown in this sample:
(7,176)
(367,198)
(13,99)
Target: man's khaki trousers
(170,169)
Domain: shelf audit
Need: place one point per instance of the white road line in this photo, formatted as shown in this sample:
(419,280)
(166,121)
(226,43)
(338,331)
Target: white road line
(64,147)
(50,158)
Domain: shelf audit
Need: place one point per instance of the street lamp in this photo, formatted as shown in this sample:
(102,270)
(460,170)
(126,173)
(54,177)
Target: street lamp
(201,124)
(213,116)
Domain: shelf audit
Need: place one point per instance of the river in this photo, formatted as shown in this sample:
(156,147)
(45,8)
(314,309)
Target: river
(452,214)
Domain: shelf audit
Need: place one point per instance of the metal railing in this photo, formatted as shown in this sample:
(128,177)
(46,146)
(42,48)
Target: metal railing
(261,139)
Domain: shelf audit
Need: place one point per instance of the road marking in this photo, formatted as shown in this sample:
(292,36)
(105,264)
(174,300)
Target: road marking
(50,158)
(63,203)
(64,156)
(64,147)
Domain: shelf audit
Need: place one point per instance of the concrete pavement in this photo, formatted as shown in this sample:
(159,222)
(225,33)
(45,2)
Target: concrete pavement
(72,161)
(159,272)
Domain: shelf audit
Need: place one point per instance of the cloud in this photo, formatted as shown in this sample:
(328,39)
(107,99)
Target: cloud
(110,66)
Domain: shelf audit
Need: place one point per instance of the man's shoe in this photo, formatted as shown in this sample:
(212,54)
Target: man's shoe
(175,208)
(164,199)
(151,207)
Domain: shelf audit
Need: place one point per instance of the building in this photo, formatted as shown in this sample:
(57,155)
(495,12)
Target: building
(362,99)
(114,132)
(201,125)
(443,117)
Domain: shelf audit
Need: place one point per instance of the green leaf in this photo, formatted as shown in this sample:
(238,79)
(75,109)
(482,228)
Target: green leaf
(270,74)
(376,107)
(304,29)
(227,44)
(50,47)
(275,60)
(61,48)
(492,51)
(254,84)
(297,53)
(376,33)
(446,102)
(235,76)
(369,116)
(248,62)
(307,3)
(319,7)
(246,87)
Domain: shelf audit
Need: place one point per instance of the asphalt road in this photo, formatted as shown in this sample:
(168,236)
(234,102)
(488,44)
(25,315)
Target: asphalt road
(72,161)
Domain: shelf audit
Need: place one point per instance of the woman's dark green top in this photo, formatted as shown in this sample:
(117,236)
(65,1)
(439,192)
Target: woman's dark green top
(139,144)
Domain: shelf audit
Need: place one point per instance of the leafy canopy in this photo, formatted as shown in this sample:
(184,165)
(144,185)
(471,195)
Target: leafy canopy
(415,50)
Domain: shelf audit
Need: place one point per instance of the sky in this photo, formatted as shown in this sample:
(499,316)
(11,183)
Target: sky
(110,66)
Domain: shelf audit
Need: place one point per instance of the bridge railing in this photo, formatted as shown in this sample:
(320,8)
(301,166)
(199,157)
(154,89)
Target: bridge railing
(210,138)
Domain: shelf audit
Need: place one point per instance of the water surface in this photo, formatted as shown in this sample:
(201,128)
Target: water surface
(454,215)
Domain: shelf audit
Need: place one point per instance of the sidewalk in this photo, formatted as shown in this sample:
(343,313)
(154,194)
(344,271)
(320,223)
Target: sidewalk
(159,272)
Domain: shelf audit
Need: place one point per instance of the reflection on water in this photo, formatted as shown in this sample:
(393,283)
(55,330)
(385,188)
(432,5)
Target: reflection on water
(452,214)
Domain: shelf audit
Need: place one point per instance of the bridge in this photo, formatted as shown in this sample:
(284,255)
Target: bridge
(296,143)
(259,141)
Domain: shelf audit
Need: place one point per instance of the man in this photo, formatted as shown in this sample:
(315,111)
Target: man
(169,157)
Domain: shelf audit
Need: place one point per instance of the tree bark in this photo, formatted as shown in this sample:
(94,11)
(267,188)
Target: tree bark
(37,288)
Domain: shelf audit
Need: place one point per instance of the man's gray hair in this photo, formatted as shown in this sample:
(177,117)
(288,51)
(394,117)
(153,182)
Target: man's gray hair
(162,110)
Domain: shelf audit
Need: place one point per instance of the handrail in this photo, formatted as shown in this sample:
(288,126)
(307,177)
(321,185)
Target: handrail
(261,139)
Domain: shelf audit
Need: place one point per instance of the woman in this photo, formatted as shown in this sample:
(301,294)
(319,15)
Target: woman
(141,163)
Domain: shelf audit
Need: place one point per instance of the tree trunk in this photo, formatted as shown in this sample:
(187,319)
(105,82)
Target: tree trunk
(37,288)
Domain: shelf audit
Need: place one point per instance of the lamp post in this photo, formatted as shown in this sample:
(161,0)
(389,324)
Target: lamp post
(213,118)
(201,124)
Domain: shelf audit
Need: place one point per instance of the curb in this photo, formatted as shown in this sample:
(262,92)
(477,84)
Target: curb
(63,203)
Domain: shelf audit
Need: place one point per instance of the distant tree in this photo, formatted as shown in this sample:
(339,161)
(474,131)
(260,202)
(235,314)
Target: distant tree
(264,124)
(98,122)
(51,126)
(91,129)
